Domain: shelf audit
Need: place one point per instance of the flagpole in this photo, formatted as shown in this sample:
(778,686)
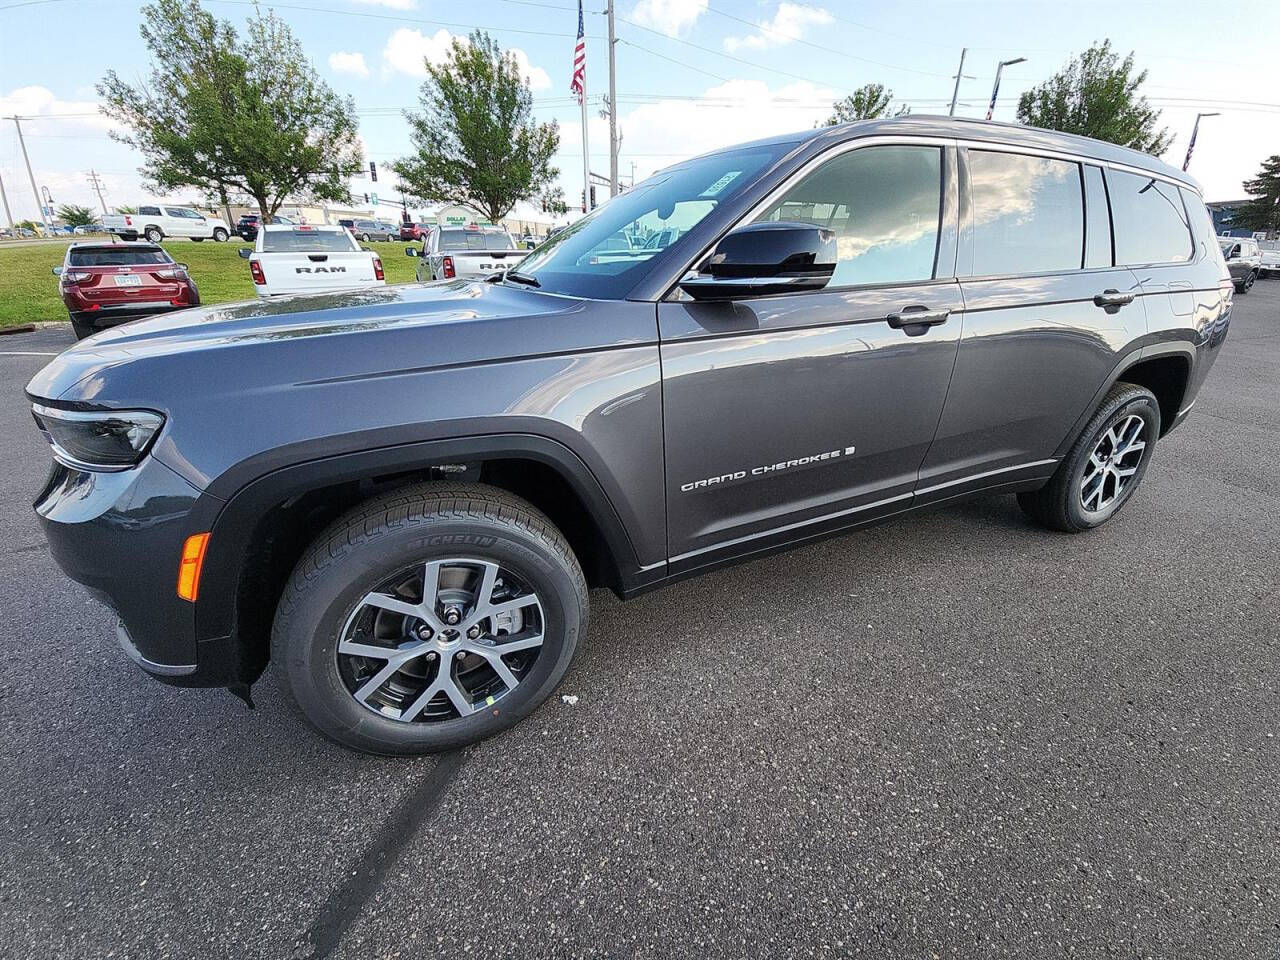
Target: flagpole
(586,162)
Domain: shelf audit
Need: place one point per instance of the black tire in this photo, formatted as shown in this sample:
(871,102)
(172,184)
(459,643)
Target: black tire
(393,533)
(219,235)
(1058,504)
(82,328)
(197,239)
(364,238)
(153,234)
(1249,280)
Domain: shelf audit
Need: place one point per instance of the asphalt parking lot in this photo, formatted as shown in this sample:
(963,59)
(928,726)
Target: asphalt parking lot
(957,735)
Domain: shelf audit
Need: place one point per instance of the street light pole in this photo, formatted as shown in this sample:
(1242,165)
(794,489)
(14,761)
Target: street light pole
(1192,145)
(5,197)
(955,94)
(35,192)
(991,107)
(613,109)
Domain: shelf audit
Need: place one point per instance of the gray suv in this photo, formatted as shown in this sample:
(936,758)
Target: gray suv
(400,496)
(1244,261)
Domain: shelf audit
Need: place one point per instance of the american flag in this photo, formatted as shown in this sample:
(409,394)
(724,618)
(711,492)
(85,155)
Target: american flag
(578,84)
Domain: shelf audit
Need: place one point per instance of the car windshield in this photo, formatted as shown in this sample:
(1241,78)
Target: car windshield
(1226,245)
(603,254)
(117,257)
(307,241)
(464,239)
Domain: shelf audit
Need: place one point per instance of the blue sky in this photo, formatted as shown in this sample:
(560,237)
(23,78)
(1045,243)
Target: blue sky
(692,74)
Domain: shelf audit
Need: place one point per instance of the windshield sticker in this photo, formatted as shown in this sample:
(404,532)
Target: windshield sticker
(715,189)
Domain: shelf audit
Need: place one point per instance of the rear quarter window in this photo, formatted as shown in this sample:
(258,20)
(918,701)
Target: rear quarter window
(308,241)
(1149,219)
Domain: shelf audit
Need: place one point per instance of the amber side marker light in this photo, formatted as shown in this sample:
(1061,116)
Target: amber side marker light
(189,567)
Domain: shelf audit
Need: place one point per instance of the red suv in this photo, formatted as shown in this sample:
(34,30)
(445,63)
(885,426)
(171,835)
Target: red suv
(414,231)
(103,284)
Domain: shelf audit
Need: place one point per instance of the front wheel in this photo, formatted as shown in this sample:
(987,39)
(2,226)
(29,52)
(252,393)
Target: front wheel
(1103,468)
(219,235)
(429,619)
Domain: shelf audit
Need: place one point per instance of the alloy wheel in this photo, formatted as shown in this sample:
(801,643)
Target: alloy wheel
(441,640)
(1112,464)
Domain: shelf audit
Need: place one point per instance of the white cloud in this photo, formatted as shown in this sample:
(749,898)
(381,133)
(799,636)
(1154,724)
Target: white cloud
(353,63)
(787,25)
(672,17)
(407,51)
(42,102)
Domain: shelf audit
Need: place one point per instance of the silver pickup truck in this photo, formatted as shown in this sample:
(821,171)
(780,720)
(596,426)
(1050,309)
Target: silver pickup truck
(470,251)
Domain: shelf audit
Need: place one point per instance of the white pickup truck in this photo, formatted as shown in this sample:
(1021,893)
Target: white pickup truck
(469,252)
(155,222)
(292,259)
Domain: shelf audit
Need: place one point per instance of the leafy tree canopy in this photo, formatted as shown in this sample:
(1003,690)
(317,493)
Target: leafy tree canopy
(869,102)
(1096,95)
(75,216)
(476,142)
(1262,212)
(248,117)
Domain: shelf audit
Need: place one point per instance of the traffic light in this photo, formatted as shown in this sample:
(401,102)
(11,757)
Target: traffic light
(373,171)
(366,198)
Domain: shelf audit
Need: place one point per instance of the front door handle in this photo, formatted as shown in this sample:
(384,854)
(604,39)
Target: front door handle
(914,319)
(1112,299)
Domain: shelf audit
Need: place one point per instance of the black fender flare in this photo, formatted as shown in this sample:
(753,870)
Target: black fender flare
(239,517)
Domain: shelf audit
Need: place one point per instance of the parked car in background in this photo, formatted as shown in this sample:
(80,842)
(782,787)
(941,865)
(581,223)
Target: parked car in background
(400,502)
(414,231)
(291,259)
(368,230)
(1244,260)
(1270,263)
(104,284)
(87,229)
(470,251)
(156,223)
(247,225)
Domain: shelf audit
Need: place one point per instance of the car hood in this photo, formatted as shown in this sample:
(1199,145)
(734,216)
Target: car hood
(341,334)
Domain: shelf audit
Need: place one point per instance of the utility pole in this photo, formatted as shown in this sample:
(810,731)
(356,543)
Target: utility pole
(955,94)
(5,197)
(96,181)
(35,191)
(613,108)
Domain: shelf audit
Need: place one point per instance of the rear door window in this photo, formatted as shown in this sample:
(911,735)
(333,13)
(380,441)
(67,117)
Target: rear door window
(464,239)
(148,211)
(1027,214)
(1150,220)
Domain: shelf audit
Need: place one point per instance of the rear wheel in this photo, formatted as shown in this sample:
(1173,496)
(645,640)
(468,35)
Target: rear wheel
(153,234)
(364,237)
(429,619)
(1104,467)
(82,328)
(219,235)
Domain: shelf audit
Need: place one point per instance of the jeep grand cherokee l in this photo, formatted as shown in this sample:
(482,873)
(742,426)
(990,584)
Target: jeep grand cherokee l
(400,496)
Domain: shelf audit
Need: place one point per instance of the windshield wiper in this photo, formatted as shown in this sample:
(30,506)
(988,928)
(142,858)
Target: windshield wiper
(524,278)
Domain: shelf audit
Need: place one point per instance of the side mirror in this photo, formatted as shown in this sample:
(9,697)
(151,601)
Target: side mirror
(412,252)
(763,258)
(57,271)
(245,253)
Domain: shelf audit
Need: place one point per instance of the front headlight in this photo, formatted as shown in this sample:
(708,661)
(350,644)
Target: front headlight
(98,439)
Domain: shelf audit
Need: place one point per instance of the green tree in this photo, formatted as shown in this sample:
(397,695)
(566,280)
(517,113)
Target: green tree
(29,225)
(476,142)
(871,101)
(126,209)
(246,117)
(74,216)
(1262,212)
(1096,95)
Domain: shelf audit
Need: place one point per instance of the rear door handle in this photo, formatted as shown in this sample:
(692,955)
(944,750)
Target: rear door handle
(1112,298)
(915,319)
